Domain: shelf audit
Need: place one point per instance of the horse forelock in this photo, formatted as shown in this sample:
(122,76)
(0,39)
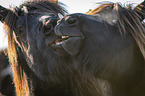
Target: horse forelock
(43,6)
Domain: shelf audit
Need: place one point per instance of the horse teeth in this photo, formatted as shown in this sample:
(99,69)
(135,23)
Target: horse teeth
(65,37)
(58,43)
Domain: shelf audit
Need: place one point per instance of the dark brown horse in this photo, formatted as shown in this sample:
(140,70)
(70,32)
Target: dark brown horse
(6,78)
(108,50)
(38,69)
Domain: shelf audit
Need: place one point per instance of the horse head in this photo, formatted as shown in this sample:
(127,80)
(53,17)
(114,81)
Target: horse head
(110,46)
(30,29)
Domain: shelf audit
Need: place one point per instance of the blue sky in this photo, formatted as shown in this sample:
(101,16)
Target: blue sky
(73,6)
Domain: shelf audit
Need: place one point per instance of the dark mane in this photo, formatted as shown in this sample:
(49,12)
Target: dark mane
(33,6)
(46,6)
(127,20)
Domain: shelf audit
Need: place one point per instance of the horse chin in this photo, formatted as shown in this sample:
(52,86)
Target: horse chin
(69,45)
(58,49)
(72,45)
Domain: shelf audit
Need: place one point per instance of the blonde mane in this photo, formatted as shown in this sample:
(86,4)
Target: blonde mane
(20,78)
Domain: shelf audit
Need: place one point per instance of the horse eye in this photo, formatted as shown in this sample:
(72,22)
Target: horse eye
(47,29)
(20,29)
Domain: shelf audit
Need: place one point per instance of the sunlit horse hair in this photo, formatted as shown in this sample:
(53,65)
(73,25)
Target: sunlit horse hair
(29,6)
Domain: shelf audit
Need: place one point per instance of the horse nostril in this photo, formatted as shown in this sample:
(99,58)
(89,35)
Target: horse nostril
(71,20)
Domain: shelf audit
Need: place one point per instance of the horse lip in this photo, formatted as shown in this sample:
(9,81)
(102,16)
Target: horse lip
(55,46)
(72,45)
(58,43)
(58,48)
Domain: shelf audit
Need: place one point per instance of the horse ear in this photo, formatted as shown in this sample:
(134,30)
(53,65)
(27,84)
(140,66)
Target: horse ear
(3,13)
(140,10)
